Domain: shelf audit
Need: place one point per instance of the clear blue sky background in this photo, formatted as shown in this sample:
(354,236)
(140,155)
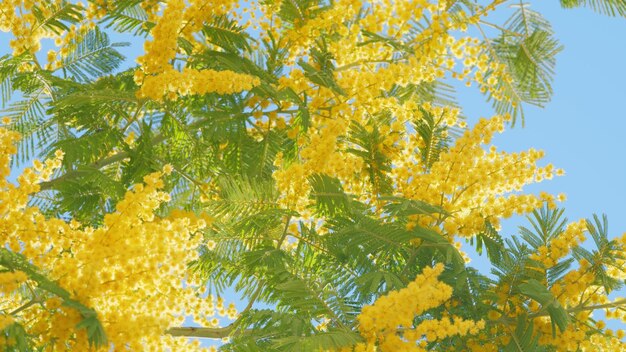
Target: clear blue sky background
(583,130)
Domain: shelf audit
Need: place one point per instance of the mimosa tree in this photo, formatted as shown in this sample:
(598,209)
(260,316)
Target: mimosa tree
(306,154)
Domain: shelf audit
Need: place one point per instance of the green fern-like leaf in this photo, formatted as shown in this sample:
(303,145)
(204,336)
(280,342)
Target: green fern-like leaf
(491,241)
(226,33)
(606,7)
(528,49)
(128,17)
(28,117)
(523,338)
(330,199)
(603,256)
(57,16)
(92,55)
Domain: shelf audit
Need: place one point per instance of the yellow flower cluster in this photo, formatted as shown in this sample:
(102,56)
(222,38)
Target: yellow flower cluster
(472,184)
(7,148)
(331,21)
(388,323)
(320,155)
(434,330)
(163,47)
(171,83)
(157,76)
(99,8)
(130,270)
(577,285)
(199,12)
(11,280)
(618,268)
(578,292)
(599,343)
(16,17)
(5,321)
(560,246)
(581,337)
(568,340)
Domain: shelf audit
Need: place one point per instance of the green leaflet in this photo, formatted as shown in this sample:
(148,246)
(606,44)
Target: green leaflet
(606,7)
(535,290)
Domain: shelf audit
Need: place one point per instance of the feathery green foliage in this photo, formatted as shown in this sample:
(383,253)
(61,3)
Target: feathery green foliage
(305,282)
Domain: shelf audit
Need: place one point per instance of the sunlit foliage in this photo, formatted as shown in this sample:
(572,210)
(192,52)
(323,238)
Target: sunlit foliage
(307,155)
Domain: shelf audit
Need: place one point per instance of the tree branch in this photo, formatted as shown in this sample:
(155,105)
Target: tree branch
(581,308)
(211,333)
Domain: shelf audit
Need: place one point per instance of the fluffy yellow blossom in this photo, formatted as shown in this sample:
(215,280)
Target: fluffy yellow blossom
(561,245)
(470,183)
(389,322)
(5,321)
(171,84)
(129,270)
(339,89)
(9,281)
(157,76)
